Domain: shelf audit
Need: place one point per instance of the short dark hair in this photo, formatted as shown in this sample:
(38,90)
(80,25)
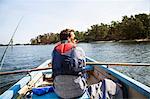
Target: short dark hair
(64,34)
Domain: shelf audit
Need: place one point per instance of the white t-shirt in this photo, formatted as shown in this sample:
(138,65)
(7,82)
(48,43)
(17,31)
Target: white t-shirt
(81,55)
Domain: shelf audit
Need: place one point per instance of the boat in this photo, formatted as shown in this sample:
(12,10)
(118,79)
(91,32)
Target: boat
(42,78)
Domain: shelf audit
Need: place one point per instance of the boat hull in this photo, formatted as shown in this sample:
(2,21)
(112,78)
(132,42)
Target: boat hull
(132,89)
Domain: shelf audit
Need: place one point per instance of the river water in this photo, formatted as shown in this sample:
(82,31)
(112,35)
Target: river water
(29,56)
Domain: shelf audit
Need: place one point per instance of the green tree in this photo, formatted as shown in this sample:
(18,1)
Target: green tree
(80,36)
(145,19)
(131,28)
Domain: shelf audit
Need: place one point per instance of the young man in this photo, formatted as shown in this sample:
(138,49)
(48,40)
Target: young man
(67,63)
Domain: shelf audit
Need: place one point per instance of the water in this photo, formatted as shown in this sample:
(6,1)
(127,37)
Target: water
(27,57)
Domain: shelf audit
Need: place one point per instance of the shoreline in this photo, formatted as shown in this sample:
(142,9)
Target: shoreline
(136,40)
(121,41)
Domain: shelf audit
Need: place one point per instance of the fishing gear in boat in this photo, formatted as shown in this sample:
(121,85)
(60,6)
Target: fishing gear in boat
(10,42)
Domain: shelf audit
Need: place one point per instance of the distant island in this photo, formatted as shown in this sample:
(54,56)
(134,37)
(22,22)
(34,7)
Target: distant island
(134,28)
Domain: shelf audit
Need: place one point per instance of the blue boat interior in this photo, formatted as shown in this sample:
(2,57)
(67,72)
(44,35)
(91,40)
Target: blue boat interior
(48,92)
(53,95)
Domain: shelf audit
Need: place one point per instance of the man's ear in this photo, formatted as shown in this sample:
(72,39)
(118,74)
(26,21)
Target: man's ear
(68,38)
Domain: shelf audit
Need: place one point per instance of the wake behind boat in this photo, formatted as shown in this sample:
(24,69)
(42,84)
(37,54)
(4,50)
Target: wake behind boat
(38,80)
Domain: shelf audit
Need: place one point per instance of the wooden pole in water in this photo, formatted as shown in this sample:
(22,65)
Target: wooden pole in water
(11,40)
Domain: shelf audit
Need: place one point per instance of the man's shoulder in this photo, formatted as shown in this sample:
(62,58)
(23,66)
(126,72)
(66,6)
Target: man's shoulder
(80,52)
(79,49)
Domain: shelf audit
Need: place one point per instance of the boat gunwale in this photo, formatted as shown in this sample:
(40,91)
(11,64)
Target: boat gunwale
(14,89)
(136,85)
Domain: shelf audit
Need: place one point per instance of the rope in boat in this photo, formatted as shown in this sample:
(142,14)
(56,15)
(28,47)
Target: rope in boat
(4,54)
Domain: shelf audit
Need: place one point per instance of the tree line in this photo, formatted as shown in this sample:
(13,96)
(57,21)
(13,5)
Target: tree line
(130,28)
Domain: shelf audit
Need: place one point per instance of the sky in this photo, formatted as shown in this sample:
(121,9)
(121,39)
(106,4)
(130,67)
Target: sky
(45,16)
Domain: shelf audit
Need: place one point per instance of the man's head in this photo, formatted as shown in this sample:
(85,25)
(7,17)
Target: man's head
(67,34)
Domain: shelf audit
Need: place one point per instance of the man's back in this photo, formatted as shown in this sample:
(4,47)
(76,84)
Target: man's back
(67,64)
